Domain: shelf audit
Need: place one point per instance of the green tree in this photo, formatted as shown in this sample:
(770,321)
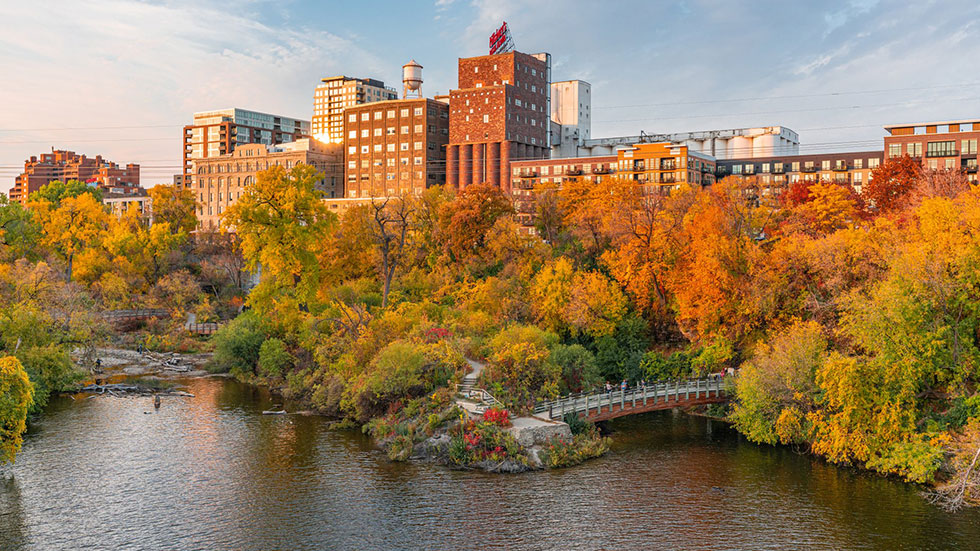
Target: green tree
(56,191)
(16,396)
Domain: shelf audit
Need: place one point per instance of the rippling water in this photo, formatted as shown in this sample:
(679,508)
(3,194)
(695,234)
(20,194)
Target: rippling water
(213,473)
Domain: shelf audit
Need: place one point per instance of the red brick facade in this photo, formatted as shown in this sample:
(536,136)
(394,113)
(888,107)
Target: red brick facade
(499,114)
(395,147)
(65,165)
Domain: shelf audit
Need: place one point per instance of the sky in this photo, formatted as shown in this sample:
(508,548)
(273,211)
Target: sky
(120,78)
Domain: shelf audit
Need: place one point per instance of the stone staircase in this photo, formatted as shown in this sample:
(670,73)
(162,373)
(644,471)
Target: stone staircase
(472,399)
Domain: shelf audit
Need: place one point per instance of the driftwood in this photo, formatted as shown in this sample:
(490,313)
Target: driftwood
(118,389)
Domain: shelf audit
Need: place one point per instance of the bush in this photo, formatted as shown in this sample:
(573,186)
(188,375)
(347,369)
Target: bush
(559,452)
(658,367)
(395,373)
(577,424)
(274,359)
(496,416)
(50,370)
(578,367)
(520,363)
(237,346)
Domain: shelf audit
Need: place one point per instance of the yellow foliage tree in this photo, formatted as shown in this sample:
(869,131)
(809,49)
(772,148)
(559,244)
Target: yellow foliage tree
(76,224)
(16,396)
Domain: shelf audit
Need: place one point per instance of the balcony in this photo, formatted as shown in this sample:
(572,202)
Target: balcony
(602,171)
(668,166)
(808,169)
(840,168)
(574,172)
(943,153)
(529,174)
(667,179)
(524,184)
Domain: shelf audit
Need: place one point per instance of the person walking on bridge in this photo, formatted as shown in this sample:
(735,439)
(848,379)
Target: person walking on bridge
(623,385)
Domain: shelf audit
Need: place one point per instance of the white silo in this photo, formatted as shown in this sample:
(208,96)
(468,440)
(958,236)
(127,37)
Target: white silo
(412,79)
(739,147)
(764,145)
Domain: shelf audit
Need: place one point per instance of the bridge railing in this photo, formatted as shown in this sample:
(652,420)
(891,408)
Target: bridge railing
(680,390)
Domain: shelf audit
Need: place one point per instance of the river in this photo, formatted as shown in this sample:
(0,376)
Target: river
(211,472)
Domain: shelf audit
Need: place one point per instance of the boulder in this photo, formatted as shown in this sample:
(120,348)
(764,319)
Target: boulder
(532,431)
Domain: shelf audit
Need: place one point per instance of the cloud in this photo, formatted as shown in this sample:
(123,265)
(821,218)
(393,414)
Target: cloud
(115,63)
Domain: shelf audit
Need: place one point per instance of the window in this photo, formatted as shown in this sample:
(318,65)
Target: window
(364,149)
(404,112)
(874,162)
(377,131)
(914,149)
(858,176)
(418,111)
(486,118)
(404,130)
(950,164)
(404,146)
(365,133)
(941,149)
(418,145)
(390,131)
(352,117)
(933,164)
(365,116)
(796,166)
(736,169)
(391,113)
(765,168)
(377,148)
(351,164)
(378,115)
(968,147)
(825,165)
(858,163)
(418,128)
(418,160)
(391,147)
(894,150)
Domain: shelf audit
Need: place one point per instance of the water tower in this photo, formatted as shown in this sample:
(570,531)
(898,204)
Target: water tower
(412,79)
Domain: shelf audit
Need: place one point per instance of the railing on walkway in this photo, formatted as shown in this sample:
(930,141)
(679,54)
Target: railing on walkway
(641,398)
(478,394)
(207,328)
(136,314)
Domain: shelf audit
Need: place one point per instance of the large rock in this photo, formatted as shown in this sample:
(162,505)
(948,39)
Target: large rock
(532,431)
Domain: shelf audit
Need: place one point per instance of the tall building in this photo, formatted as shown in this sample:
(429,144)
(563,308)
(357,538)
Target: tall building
(334,94)
(500,113)
(217,133)
(948,145)
(395,147)
(571,116)
(67,165)
(220,180)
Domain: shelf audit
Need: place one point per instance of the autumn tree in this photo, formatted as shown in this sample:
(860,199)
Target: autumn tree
(175,206)
(16,396)
(892,183)
(470,215)
(828,207)
(282,223)
(75,223)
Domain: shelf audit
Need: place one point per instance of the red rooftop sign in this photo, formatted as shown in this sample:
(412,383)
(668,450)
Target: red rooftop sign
(501,41)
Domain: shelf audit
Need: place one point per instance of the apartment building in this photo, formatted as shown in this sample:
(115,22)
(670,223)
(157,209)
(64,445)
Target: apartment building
(852,168)
(64,165)
(657,168)
(500,113)
(121,203)
(334,94)
(395,147)
(948,145)
(220,180)
(218,133)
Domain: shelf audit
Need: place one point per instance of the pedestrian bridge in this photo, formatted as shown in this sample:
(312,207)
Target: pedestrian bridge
(602,405)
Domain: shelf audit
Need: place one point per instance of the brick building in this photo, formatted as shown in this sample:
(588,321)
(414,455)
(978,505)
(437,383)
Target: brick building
(852,168)
(66,165)
(949,145)
(395,147)
(218,133)
(219,181)
(500,113)
(656,167)
(334,94)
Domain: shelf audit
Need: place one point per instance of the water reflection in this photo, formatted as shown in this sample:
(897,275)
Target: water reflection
(212,472)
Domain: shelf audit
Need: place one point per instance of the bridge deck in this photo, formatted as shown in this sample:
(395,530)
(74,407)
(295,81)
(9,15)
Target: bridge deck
(601,406)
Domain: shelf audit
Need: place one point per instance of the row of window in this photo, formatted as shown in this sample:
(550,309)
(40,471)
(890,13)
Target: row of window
(242,167)
(857,164)
(352,117)
(946,148)
(390,131)
(389,148)
(404,161)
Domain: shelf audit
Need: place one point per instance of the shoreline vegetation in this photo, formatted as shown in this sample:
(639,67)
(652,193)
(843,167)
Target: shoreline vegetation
(851,319)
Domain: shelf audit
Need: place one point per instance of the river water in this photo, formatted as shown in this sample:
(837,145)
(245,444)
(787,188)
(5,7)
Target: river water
(211,472)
